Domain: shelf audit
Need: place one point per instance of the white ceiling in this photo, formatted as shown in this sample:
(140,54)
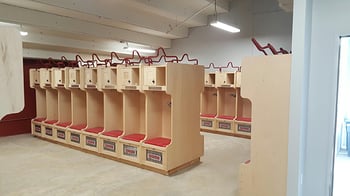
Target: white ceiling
(100,25)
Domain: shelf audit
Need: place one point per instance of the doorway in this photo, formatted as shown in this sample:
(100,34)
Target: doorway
(341,171)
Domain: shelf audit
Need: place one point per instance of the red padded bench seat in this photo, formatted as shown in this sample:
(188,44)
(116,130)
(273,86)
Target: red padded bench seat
(78,127)
(244,119)
(208,115)
(95,130)
(51,122)
(134,137)
(158,141)
(63,124)
(39,119)
(226,117)
(113,133)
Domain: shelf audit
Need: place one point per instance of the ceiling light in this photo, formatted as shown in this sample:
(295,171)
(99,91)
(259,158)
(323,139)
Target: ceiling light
(23,33)
(142,50)
(225,27)
(222,25)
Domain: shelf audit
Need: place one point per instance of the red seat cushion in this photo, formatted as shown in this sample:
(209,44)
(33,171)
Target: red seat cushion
(208,115)
(63,124)
(78,127)
(113,133)
(39,119)
(95,130)
(226,117)
(244,119)
(134,137)
(51,122)
(158,141)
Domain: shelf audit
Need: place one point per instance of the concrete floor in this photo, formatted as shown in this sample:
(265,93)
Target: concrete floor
(30,166)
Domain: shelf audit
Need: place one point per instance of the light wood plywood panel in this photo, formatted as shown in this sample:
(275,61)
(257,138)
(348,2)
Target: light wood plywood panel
(266,82)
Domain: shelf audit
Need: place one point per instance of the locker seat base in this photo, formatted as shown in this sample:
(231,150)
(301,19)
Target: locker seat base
(137,137)
(51,122)
(113,133)
(226,117)
(208,115)
(78,127)
(244,119)
(158,141)
(39,119)
(63,124)
(95,130)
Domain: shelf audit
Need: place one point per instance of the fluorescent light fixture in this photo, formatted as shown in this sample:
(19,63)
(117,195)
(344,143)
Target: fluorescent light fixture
(142,50)
(225,27)
(23,33)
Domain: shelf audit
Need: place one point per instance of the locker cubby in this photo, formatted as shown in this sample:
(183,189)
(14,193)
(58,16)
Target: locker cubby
(45,77)
(51,111)
(158,108)
(108,76)
(129,77)
(226,109)
(40,100)
(90,77)
(244,115)
(34,78)
(79,117)
(113,122)
(77,77)
(64,115)
(58,77)
(134,126)
(154,77)
(208,108)
(95,119)
(173,139)
(158,130)
(225,79)
(209,79)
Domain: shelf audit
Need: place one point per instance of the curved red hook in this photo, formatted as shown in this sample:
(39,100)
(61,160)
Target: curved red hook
(122,60)
(133,54)
(188,59)
(150,59)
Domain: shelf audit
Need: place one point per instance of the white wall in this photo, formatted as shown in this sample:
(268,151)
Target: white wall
(262,19)
(315,63)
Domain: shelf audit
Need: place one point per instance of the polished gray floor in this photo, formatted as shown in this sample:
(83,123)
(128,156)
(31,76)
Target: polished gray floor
(30,166)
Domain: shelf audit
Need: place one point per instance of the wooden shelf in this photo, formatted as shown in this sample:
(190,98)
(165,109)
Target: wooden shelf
(90,78)
(108,77)
(135,114)
(154,77)
(223,111)
(76,78)
(172,132)
(209,79)
(225,79)
(129,77)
